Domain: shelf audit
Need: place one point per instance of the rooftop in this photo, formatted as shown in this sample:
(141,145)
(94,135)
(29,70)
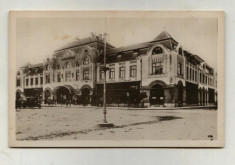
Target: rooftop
(84,41)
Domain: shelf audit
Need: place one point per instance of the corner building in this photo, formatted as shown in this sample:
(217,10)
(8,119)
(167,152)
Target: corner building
(157,73)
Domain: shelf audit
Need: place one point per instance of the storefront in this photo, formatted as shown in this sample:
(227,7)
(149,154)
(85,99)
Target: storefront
(120,94)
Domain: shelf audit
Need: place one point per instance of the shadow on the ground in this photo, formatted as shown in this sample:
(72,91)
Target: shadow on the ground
(86,131)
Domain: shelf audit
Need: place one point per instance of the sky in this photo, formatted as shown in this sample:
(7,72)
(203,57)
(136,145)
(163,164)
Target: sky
(38,37)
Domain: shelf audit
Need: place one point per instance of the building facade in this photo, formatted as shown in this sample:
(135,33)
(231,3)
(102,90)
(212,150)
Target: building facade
(155,73)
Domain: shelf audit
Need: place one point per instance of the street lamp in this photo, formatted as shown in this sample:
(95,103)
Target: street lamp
(105,122)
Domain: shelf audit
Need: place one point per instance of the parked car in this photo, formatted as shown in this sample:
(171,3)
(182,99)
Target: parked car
(31,102)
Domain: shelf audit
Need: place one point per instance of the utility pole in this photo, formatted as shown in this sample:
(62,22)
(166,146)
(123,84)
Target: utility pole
(105,122)
(105,69)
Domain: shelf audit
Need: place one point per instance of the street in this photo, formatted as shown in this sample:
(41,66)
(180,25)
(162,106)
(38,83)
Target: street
(64,123)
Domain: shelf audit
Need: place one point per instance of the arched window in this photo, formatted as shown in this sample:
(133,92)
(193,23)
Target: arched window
(180,51)
(157,50)
(157,60)
(77,64)
(68,65)
(47,67)
(18,73)
(86,61)
(58,66)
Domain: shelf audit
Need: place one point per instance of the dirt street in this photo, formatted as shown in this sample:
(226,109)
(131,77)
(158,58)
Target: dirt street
(50,123)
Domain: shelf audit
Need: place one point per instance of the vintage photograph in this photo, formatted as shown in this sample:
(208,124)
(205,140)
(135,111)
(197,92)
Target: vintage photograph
(116,79)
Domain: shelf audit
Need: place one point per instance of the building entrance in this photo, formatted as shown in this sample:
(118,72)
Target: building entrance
(63,95)
(157,95)
(191,93)
(47,96)
(180,94)
(85,96)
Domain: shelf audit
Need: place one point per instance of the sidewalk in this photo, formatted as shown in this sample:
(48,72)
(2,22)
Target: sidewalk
(133,108)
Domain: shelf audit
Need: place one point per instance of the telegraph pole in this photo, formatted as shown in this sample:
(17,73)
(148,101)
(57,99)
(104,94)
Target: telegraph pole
(105,111)
(105,122)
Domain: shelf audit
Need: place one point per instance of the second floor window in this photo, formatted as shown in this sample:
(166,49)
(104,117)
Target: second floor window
(59,78)
(179,69)
(86,61)
(86,75)
(47,78)
(27,82)
(47,67)
(77,75)
(18,82)
(68,65)
(36,81)
(77,64)
(41,80)
(133,71)
(101,74)
(31,81)
(122,72)
(68,77)
(157,68)
(112,73)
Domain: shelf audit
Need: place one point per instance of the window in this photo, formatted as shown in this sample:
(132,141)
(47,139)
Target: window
(59,78)
(41,80)
(86,75)
(190,73)
(58,67)
(187,73)
(122,72)
(195,75)
(77,64)
(101,74)
(86,61)
(47,67)
(112,73)
(77,75)
(133,71)
(27,82)
(157,50)
(157,62)
(68,76)
(180,51)
(179,70)
(68,65)
(18,73)
(31,81)
(36,81)
(157,68)
(47,78)
(18,82)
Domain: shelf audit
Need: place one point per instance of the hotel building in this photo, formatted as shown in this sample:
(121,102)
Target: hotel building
(154,73)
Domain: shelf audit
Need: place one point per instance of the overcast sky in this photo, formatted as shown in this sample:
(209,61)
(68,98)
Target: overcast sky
(37,38)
